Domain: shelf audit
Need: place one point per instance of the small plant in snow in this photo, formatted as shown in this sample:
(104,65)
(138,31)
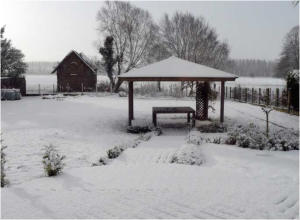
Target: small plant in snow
(53,161)
(115,152)
(102,161)
(4,181)
(267,109)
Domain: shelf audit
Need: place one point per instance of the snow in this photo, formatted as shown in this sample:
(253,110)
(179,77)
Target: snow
(142,183)
(258,82)
(176,67)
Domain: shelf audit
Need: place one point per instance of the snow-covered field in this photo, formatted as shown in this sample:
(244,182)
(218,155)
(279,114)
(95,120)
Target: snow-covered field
(141,183)
(47,82)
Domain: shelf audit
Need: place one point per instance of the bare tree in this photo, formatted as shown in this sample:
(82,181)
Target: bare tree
(191,38)
(289,59)
(133,30)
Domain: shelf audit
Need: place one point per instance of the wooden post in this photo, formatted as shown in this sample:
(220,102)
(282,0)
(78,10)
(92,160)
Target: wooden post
(252,95)
(226,92)
(277,97)
(229,92)
(240,94)
(222,102)
(268,96)
(259,95)
(130,102)
(246,95)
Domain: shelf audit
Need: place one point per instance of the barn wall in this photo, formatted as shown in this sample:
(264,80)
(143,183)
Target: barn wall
(73,74)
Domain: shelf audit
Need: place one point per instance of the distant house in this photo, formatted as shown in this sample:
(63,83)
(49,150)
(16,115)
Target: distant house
(75,74)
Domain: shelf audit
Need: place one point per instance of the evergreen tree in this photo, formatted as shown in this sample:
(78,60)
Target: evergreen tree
(107,53)
(12,63)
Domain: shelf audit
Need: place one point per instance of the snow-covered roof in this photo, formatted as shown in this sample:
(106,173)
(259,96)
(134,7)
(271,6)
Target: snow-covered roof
(176,69)
(81,57)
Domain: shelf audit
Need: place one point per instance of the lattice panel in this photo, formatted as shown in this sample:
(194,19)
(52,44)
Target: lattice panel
(202,89)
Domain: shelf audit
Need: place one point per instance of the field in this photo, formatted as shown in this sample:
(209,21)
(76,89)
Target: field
(232,182)
(48,82)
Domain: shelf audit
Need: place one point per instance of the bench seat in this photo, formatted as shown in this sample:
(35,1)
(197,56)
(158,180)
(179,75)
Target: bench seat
(173,110)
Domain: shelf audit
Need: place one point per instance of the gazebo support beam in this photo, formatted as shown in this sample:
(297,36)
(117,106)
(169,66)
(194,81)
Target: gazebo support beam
(130,102)
(222,102)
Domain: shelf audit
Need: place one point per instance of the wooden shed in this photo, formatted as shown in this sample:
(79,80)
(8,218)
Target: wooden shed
(75,74)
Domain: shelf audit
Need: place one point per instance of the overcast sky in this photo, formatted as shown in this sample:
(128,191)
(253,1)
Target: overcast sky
(47,31)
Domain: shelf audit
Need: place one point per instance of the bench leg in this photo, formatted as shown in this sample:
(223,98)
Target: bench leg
(188,117)
(193,119)
(154,119)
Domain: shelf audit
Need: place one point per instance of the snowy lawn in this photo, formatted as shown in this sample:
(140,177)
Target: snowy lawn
(142,183)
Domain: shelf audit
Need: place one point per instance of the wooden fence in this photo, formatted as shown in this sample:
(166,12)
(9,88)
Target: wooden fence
(279,98)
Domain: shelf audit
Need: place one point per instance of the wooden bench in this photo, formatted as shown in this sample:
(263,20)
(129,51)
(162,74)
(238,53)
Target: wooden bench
(174,110)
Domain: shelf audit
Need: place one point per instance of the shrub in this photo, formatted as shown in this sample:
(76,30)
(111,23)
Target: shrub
(4,181)
(101,161)
(103,86)
(214,127)
(114,152)
(230,141)
(251,136)
(53,161)
(138,129)
(189,155)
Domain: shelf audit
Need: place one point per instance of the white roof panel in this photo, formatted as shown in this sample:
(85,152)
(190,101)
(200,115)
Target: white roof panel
(174,67)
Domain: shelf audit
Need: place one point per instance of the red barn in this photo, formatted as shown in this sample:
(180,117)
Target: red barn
(75,74)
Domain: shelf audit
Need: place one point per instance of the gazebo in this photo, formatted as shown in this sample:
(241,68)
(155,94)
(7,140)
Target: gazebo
(176,69)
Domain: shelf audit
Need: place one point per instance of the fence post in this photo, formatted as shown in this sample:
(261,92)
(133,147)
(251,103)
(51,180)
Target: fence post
(240,94)
(268,96)
(229,92)
(252,95)
(259,95)
(246,95)
(277,97)
(226,92)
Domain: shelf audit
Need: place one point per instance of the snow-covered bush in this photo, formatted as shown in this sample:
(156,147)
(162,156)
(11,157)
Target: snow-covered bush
(138,129)
(123,94)
(101,161)
(188,154)
(284,140)
(214,127)
(193,138)
(115,152)
(251,136)
(4,181)
(53,161)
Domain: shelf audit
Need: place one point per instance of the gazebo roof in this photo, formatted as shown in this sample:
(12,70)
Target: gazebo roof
(176,69)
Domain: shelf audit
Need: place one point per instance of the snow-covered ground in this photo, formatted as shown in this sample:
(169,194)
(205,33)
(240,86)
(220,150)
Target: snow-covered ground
(231,183)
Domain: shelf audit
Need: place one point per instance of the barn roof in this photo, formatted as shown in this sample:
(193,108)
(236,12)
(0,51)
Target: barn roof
(80,57)
(176,69)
